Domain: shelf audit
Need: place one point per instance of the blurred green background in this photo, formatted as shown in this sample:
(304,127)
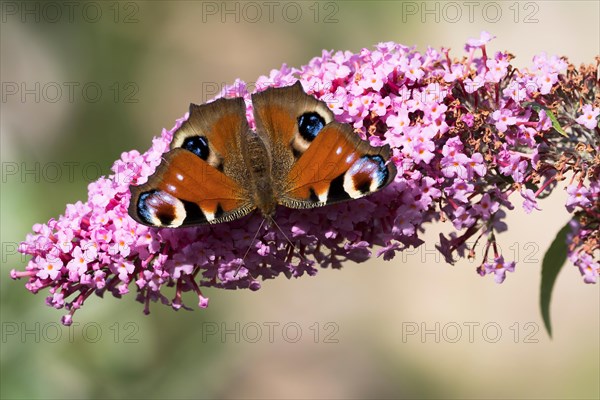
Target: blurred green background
(342,334)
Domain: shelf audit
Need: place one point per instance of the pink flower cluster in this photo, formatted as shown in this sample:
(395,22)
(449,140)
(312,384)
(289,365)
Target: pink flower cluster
(467,135)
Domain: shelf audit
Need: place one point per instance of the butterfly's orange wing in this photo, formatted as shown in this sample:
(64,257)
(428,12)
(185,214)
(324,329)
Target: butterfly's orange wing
(186,190)
(337,166)
(286,119)
(203,179)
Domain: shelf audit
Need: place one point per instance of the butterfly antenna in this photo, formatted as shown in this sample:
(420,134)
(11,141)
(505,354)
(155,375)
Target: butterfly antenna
(286,238)
(249,247)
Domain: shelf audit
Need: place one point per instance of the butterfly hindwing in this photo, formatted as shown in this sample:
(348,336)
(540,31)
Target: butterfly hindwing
(213,132)
(186,190)
(337,166)
(288,120)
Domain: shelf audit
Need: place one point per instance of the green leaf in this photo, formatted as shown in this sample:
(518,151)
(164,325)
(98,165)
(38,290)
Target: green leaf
(555,124)
(554,259)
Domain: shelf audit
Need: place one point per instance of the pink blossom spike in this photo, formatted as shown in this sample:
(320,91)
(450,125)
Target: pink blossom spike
(468,135)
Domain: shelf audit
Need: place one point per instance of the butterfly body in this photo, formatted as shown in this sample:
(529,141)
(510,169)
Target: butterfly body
(258,163)
(219,170)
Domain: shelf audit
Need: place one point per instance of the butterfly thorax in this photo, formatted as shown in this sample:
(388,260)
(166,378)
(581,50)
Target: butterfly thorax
(258,163)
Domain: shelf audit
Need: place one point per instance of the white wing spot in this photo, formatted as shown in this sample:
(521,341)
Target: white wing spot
(323,196)
(208,215)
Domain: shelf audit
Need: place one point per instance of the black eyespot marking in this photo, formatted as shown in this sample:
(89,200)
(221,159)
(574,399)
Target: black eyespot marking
(156,205)
(367,169)
(166,214)
(193,213)
(219,211)
(309,125)
(197,145)
(337,191)
(142,207)
(362,184)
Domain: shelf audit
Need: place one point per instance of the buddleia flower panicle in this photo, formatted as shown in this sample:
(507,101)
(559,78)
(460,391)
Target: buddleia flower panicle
(471,137)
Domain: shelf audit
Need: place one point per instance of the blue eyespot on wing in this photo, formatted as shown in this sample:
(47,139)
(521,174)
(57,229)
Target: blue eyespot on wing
(197,145)
(309,125)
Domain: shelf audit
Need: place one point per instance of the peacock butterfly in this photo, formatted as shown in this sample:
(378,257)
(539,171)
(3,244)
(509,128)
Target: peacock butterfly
(219,170)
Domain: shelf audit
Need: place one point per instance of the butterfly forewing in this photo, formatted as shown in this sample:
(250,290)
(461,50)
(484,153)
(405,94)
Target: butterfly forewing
(186,190)
(337,166)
